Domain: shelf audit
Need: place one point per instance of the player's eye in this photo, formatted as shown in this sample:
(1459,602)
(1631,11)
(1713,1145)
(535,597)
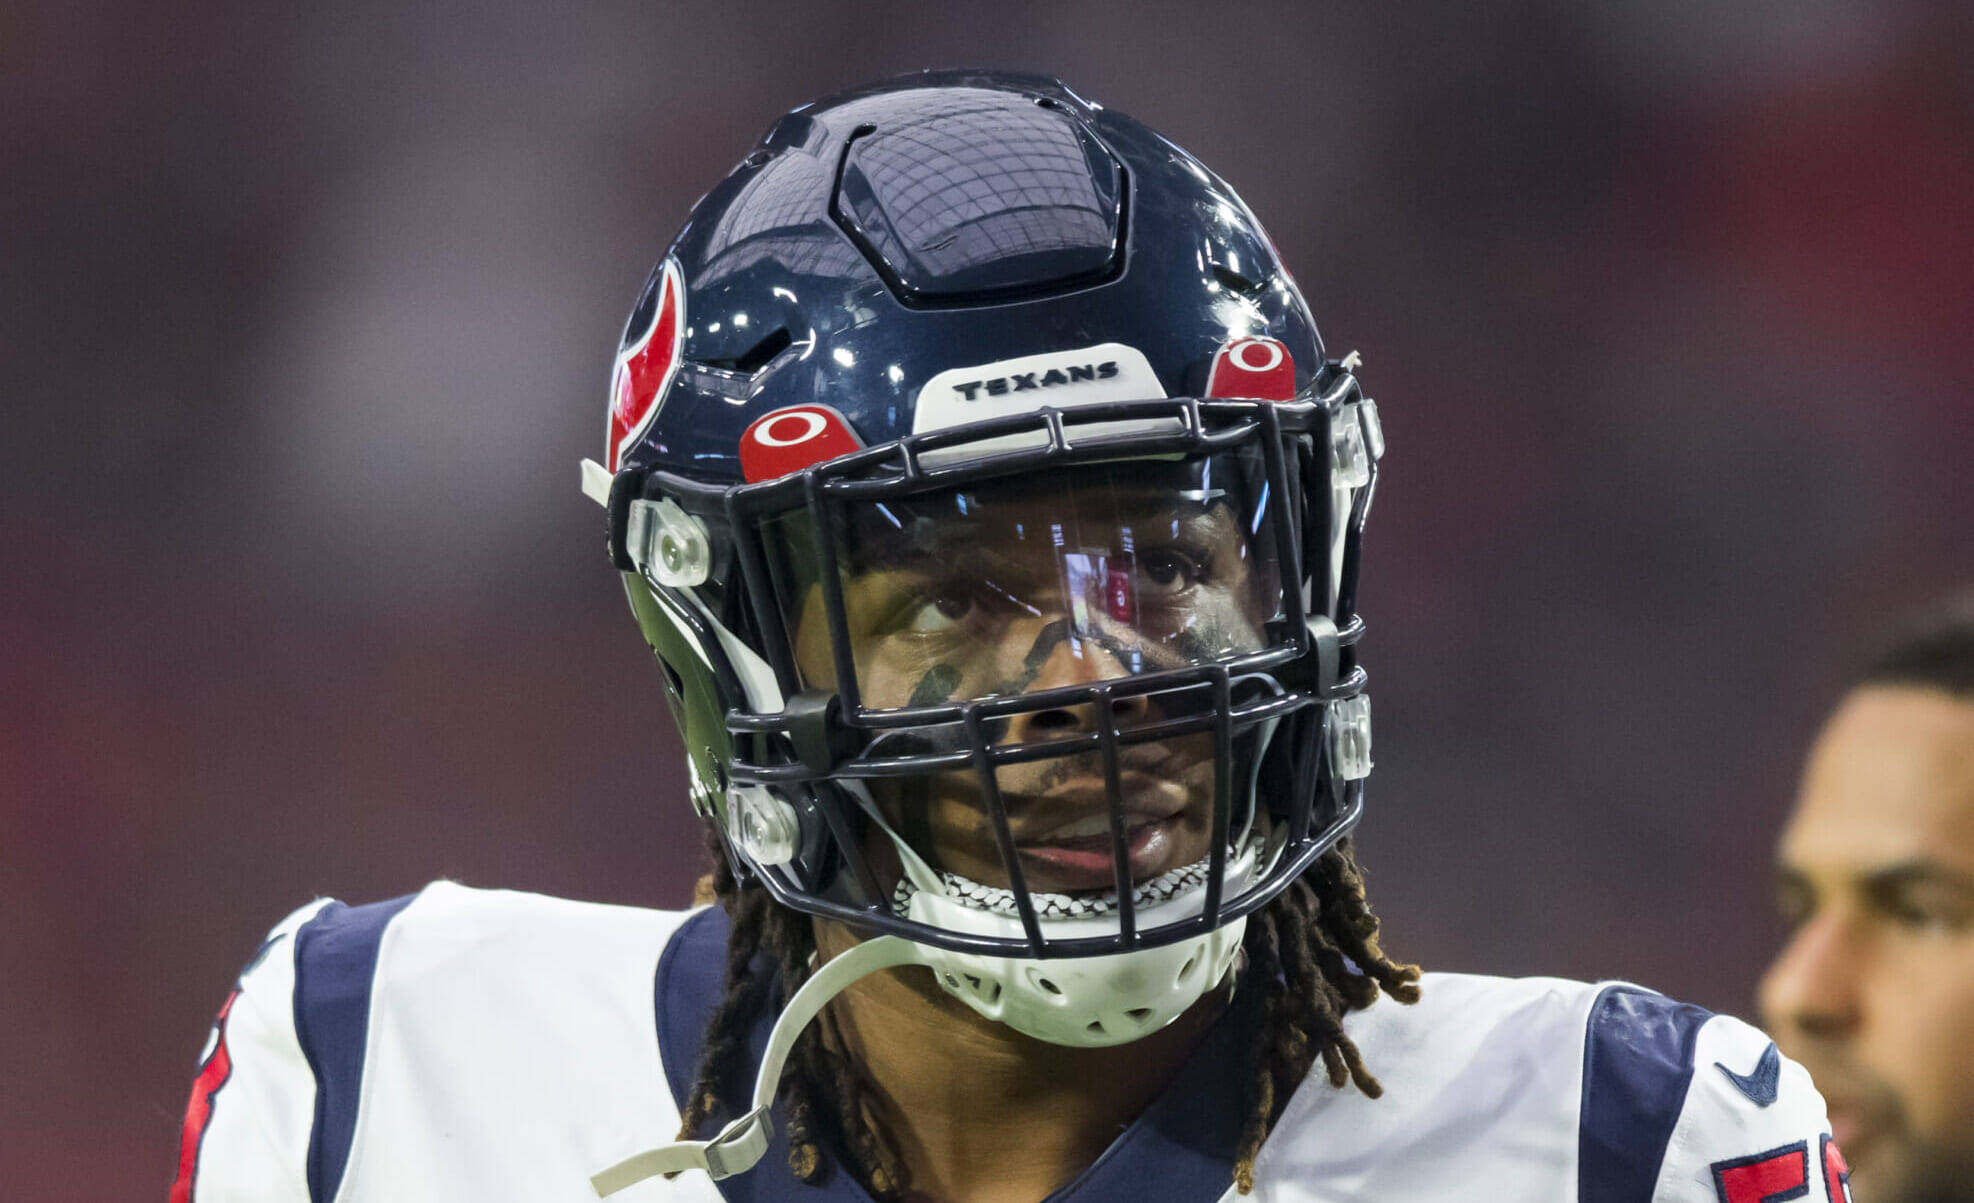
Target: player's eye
(1168,571)
(940,609)
(1923,915)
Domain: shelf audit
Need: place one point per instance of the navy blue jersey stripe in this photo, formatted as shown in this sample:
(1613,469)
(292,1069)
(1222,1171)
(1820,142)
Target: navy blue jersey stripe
(1184,1146)
(1637,1063)
(335,962)
(1181,1150)
(691,980)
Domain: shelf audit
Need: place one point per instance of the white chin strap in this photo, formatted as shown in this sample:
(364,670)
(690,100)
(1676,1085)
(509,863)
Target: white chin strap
(741,1143)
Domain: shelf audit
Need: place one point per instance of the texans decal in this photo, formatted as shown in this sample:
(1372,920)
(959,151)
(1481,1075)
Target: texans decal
(647,363)
(1255,369)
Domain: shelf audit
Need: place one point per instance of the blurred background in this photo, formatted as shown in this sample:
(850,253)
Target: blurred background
(306,316)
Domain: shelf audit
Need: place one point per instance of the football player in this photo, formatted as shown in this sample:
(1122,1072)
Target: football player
(1875,989)
(977,475)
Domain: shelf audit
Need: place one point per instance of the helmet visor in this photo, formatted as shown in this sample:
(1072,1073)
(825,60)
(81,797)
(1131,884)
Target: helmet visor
(1049,596)
(1080,575)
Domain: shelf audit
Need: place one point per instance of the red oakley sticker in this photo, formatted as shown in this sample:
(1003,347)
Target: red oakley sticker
(645,367)
(789,440)
(1257,369)
(1120,600)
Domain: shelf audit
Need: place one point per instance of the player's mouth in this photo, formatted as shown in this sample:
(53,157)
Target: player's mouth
(1075,852)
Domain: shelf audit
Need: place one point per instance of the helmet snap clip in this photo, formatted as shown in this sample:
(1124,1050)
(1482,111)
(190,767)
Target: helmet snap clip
(669,544)
(1350,737)
(762,825)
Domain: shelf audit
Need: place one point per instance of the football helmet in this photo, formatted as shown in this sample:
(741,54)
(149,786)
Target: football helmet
(977,474)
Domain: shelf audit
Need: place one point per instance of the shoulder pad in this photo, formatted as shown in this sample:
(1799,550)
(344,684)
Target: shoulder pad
(1682,1105)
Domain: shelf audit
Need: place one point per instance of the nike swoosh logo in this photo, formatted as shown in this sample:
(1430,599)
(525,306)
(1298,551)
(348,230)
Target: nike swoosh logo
(1761,1085)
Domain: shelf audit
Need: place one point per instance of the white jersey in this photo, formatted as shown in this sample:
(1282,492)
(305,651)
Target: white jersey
(481,1046)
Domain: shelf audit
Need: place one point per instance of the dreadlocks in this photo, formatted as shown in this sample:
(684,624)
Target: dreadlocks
(1312,956)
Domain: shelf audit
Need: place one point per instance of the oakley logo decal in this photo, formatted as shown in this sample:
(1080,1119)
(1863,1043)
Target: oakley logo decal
(789,440)
(1255,369)
(790,428)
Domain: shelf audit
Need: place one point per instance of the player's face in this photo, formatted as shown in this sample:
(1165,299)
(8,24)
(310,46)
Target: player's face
(1874,991)
(1035,584)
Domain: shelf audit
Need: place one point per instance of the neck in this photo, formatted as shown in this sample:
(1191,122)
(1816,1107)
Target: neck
(978,1112)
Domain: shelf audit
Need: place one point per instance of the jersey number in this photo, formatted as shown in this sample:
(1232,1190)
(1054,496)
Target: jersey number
(213,1073)
(1769,1177)
(1836,1172)
(1782,1174)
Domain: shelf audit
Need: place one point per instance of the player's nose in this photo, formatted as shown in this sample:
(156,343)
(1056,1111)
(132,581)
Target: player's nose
(1078,659)
(1810,989)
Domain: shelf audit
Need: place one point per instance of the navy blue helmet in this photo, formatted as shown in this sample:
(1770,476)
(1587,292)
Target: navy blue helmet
(978,475)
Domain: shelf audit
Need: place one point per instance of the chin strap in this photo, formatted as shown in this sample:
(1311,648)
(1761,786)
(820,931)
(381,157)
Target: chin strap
(743,1142)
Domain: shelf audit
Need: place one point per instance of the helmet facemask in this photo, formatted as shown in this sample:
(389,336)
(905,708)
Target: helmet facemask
(1057,699)
(1057,594)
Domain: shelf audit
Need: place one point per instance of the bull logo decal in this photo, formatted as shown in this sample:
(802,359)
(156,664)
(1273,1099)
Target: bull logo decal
(647,362)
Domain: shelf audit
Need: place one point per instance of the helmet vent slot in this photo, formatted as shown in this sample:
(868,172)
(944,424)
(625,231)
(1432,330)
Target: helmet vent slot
(1186,970)
(1234,281)
(1042,983)
(987,198)
(1139,1015)
(756,357)
(988,993)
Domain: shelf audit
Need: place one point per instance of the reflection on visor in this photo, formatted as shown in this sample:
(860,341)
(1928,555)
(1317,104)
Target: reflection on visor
(1091,574)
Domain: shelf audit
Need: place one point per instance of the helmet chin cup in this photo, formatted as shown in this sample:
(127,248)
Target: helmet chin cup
(1087,1002)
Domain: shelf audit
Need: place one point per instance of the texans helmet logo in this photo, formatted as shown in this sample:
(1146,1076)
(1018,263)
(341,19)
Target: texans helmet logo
(647,363)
